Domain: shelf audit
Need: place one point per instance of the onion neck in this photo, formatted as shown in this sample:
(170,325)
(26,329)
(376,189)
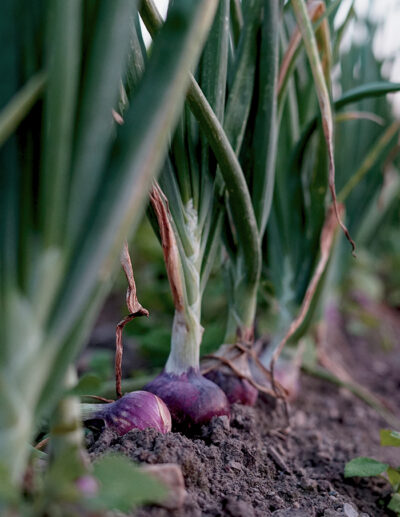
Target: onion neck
(89,410)
(185,343)
(284,320)
(241,316)
(187,331)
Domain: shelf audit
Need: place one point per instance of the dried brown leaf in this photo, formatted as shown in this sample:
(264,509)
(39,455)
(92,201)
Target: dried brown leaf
(135,310)
(159,203)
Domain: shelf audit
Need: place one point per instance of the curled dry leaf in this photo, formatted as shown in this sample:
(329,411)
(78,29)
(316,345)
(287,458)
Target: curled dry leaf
(159,203)
(135,310)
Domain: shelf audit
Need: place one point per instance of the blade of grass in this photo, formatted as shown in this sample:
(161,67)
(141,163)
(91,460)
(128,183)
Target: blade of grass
(19,106)
(378,208)
(236,19)
(319,15)
(9,162)
(214,65)
(137,58)
(137,153)
(374,89)
(180,158)
(63,60)
(369,161)
(326,242)
(170,187)
(239,197)
(323,98)
(359,93)
(341,31)
(265,135)
(241,91)
(214,61)
(211,244)
(101,89)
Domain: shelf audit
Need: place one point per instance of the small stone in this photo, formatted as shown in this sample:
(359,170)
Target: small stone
(334,413)
(170,475)
(325,455)
(332,513)
(308,484)
(324,486)
(300,419)
(235,465)
(349,510)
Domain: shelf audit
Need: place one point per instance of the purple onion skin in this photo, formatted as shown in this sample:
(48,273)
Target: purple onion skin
(288,375)
(191,398)
(238,391)
(135,410)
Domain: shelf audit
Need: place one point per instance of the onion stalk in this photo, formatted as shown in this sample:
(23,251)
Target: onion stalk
(229,366)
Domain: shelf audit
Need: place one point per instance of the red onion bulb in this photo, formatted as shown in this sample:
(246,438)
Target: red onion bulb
(135,410)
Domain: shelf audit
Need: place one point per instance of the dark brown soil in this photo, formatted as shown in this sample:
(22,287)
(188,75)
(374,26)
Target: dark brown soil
(253,467)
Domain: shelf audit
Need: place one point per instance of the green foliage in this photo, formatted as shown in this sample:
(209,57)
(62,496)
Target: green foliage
(394,504)
(364,467)
(122,486)
(100,364)
(73,183)
(246,170)
(88,383)
(8,492)
(67,488)
(390,438)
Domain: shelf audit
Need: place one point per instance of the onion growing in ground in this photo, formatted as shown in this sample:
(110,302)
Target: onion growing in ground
(251,127)
(135,410)
(191,398)
(229,368)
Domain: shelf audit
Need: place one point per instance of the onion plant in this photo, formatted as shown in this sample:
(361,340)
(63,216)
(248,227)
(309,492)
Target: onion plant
(294,244)
(300,231)
(73,183)
(193,183)
(186,210)
(251,125)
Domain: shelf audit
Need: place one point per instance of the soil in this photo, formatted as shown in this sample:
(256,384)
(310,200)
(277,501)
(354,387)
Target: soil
(255,467)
